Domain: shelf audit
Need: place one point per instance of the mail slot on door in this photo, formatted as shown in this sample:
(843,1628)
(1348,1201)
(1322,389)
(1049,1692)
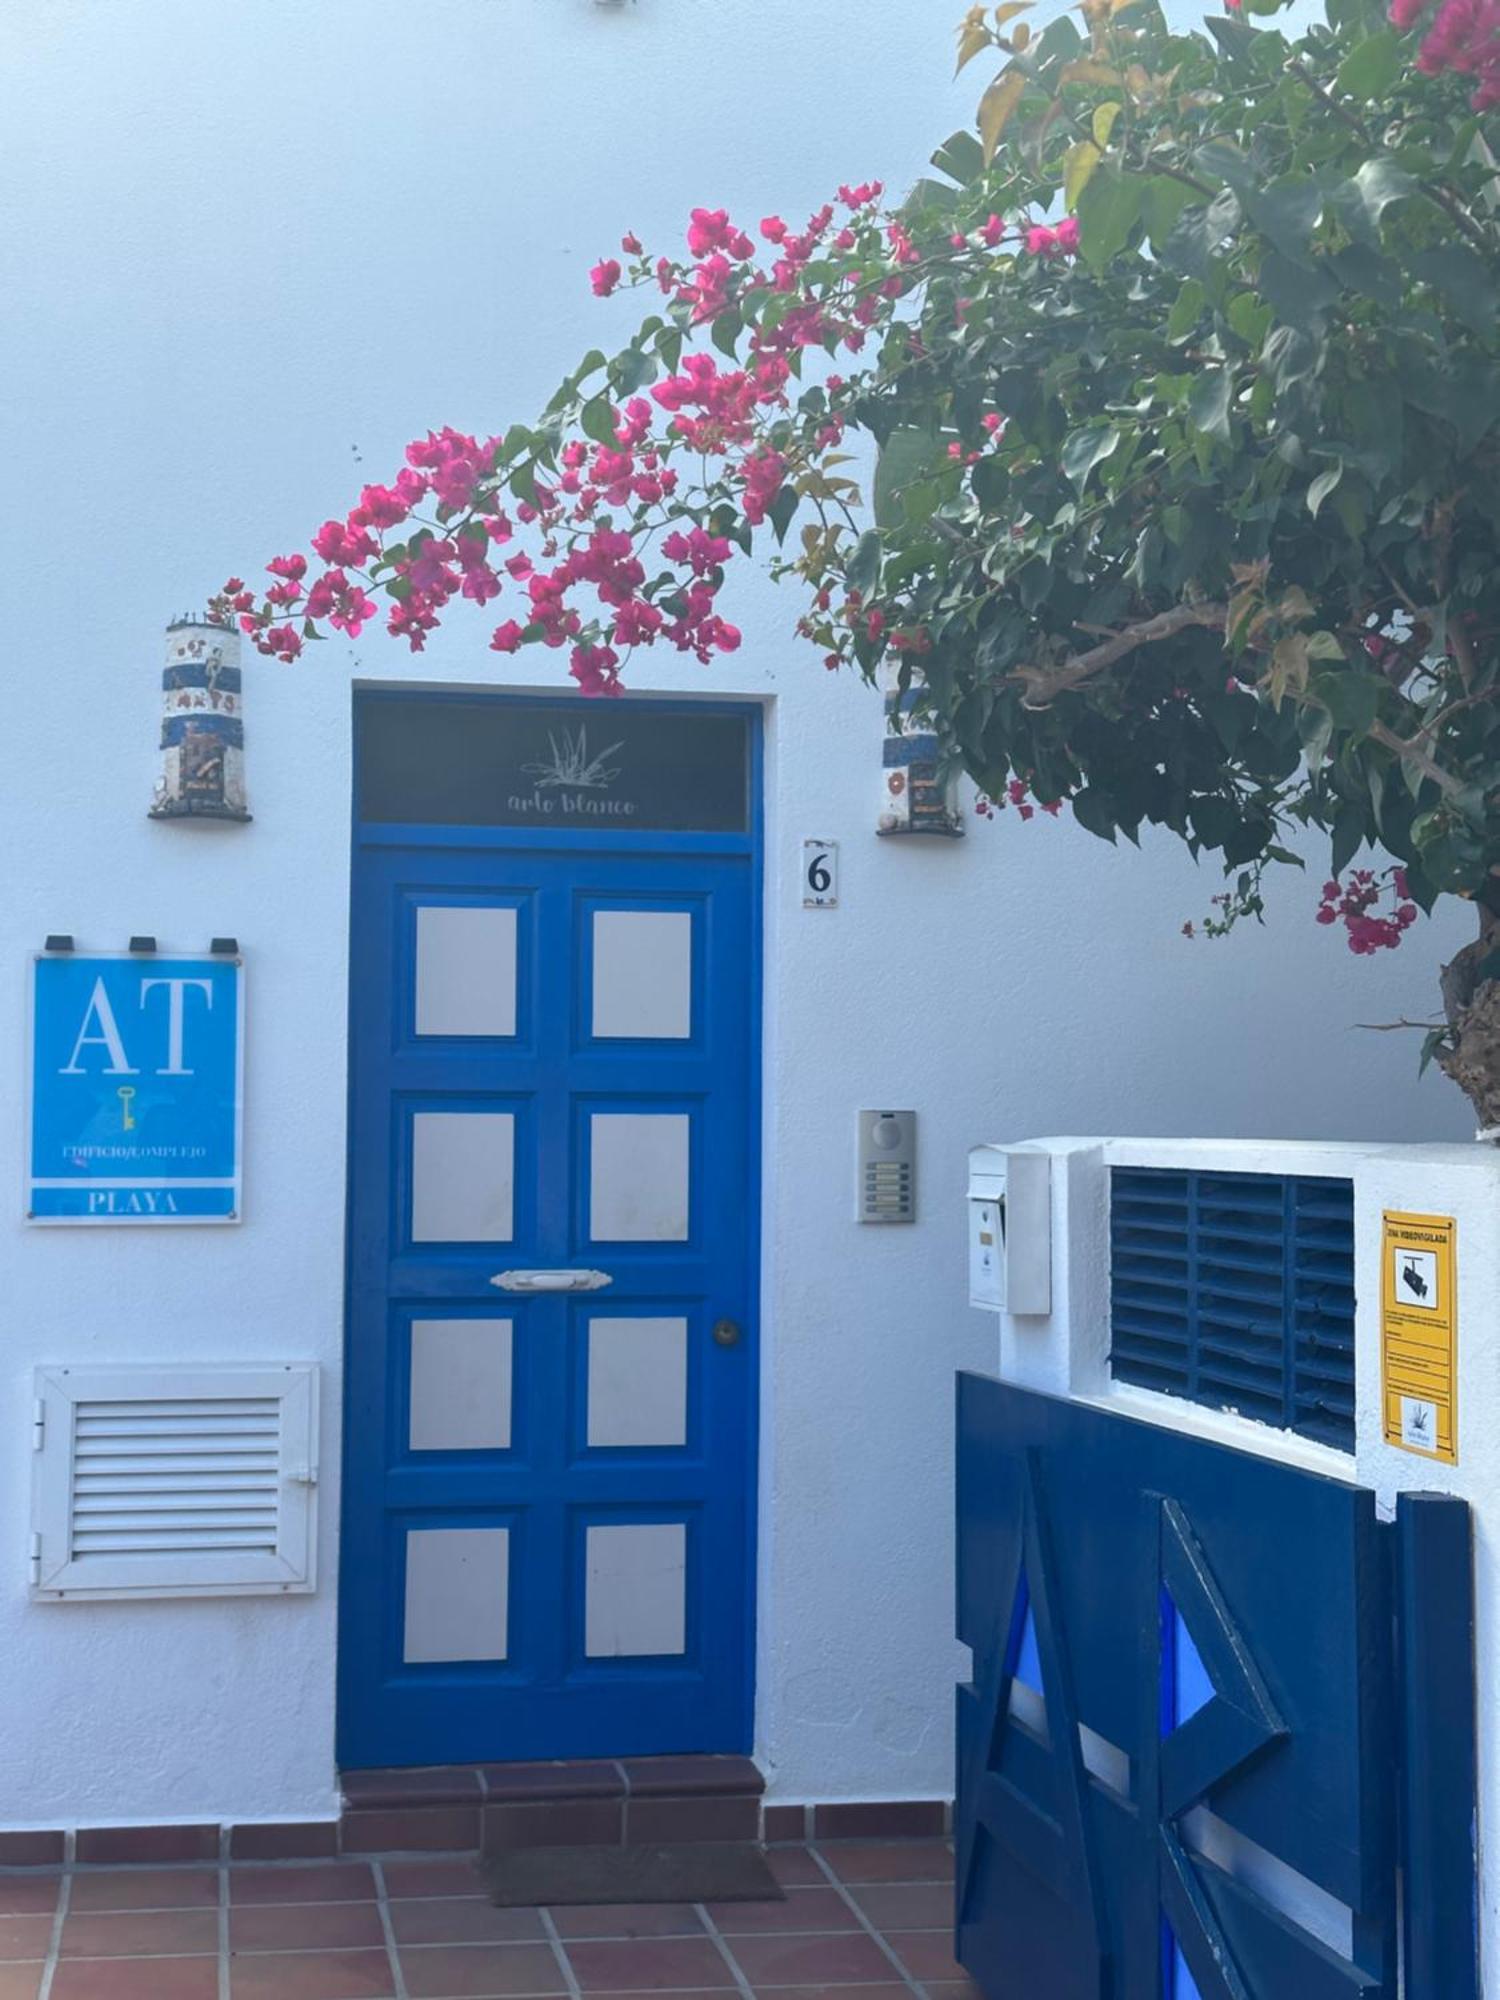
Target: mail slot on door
(1010,1230)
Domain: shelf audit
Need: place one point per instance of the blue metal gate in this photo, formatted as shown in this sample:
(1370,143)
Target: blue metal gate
(1220,1711)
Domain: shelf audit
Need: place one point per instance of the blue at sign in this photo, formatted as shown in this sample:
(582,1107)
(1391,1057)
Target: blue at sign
(135,1089)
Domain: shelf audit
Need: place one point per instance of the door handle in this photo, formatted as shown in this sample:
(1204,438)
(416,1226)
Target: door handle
(551,1281)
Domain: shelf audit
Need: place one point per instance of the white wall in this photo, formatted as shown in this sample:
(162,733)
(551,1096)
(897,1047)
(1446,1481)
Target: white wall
(247,250)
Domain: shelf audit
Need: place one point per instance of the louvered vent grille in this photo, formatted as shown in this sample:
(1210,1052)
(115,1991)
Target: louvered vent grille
(168,1477)
(1237,1291)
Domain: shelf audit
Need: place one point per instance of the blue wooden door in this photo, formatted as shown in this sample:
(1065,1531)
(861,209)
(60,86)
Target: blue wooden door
(549,1467)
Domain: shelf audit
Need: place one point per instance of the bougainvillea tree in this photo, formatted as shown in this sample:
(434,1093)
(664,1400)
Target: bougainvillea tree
(1184,379)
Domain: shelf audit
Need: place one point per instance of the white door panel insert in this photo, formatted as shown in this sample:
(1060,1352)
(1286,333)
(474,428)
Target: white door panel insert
(637,1382)
(463,1176)
(460,1384)
(638,1176)
(457,1594)
(643,974)
(466,970)
(635,1595)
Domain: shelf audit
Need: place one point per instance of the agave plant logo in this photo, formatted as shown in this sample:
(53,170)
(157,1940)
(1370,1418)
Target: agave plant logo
(571,765)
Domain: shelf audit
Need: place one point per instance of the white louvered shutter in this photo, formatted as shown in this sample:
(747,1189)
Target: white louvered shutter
(174,1482)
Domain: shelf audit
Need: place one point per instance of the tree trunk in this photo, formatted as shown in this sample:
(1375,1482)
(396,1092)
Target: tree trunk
(1472,1005)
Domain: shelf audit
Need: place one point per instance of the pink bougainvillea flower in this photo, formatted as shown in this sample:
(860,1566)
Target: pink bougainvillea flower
(605,276)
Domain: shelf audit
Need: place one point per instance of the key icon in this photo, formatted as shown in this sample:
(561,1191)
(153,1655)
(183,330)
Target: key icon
(125,1092)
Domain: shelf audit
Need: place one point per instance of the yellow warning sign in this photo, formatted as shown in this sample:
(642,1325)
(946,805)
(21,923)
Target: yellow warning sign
(1419,1333)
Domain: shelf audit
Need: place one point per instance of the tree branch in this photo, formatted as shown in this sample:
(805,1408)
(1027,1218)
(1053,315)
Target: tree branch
(1411,748)
(1043,684)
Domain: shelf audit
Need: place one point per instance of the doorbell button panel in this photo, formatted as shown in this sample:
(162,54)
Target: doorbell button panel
(887,1166)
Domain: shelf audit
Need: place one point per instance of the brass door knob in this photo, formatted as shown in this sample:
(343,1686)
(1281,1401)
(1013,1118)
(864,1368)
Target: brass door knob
(727,1332)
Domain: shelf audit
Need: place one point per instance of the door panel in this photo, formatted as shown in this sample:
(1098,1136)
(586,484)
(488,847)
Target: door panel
(549,1492)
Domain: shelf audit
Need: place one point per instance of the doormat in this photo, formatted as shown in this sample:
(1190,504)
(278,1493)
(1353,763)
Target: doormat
(711,1872)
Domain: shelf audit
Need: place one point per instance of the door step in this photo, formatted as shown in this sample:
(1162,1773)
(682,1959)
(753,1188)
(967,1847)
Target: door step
(631,1801)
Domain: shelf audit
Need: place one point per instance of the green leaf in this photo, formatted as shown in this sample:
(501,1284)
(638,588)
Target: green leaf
(1103,122)
(630,371)
(781,511)
(1199,232)
(1315,727)
(1094,812)
(1370,69)
(1287,212)
(929,194)
(1323,485)
(1291,356)
(961,158)
(1348,834)
(1108,211)
(1359,267)
(1249,317)
(1208,405)
(597,420)
(863,567)
(904,456)
(1085,449)
(1187,309)
(1352,699)
(1379,182)
(726,330)
(1464,279)
(1432,1041)
(1247,840)
(1163,203)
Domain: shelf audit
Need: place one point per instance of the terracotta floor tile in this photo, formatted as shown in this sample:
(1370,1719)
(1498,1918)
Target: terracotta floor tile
(626,1920)
(889,1860)
(688,1993)
(463,1920)
(25,1937)
(842,1992)
(472,1970)
(137,1979)
(139,1933)
(22,1895)
(850,1958)
(821,1909)
(303,1882)
(20,1982)
(649,1965)
(906,1906)
(794,1865)
(304,1926)
(311,1975)
(926,1954)
(951,1989)
(146,1889)
(452,1876)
